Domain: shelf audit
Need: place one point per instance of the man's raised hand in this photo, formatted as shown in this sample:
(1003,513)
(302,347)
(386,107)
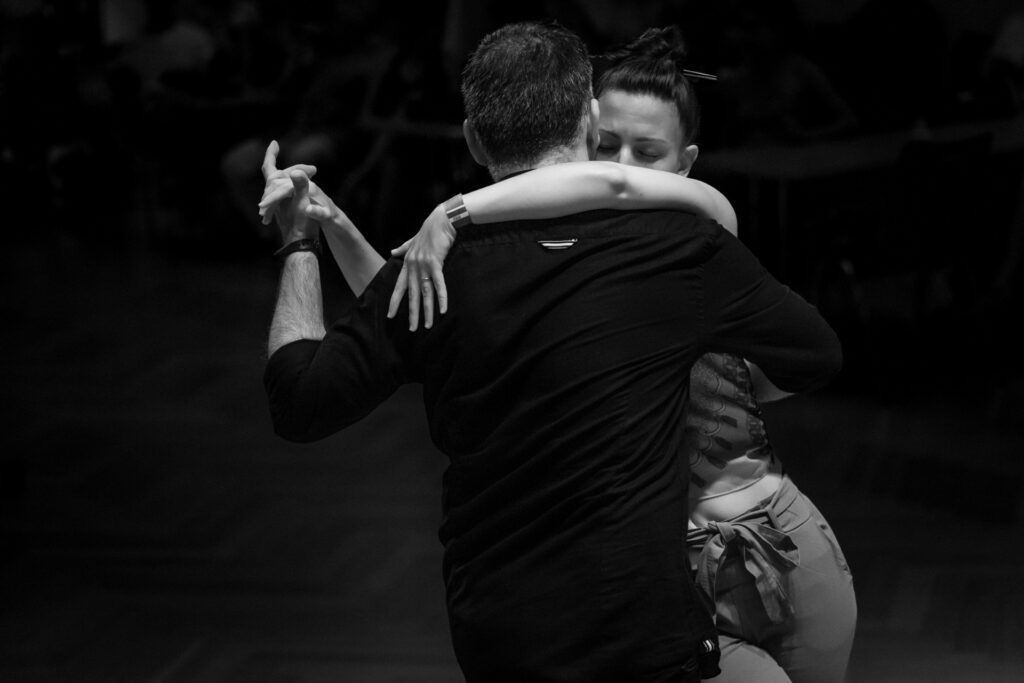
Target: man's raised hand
(279,185)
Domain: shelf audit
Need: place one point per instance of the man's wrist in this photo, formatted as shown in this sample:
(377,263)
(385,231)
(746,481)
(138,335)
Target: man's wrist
(310,231)
(303,244)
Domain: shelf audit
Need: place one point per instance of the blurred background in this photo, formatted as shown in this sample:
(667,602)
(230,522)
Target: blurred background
(154,528)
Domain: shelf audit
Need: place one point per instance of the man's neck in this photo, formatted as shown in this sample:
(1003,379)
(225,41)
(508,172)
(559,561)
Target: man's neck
(559,156)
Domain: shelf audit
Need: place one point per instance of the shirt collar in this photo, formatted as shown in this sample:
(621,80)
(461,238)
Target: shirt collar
(513,174)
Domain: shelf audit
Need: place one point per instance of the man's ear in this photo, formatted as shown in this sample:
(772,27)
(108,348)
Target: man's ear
(473,142)
(593,135)
(687,159)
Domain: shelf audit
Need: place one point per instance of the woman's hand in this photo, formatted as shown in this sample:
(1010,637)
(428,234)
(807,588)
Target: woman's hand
(281,186)
(422,274)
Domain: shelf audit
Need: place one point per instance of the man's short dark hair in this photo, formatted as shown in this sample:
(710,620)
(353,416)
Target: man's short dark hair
(526,89)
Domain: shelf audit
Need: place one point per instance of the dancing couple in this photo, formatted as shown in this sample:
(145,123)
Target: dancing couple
(593,355)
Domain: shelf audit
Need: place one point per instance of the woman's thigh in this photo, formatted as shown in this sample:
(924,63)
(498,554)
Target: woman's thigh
(742,662)
(816,647)
(813,645)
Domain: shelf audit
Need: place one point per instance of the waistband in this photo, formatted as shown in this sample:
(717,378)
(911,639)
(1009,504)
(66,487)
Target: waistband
(768,552)
(727,505)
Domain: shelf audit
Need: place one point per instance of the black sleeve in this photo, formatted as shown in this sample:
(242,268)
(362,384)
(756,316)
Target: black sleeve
(750,313)
(316,388)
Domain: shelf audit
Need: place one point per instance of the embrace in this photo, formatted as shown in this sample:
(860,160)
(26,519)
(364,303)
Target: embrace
(594,345)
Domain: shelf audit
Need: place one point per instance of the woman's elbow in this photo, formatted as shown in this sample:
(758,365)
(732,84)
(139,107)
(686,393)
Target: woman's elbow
(615,179)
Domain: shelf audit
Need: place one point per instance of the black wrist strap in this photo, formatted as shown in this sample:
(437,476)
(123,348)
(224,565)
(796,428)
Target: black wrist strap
(307,244)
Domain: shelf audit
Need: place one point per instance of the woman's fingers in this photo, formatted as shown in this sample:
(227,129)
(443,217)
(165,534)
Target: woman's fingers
(413,276)
(439,287)
(421,279)
(432,285)
(404,248)
(427,287)
(279,184)
(399,291)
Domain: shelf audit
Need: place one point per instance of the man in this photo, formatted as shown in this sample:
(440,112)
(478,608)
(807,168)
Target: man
(555,383)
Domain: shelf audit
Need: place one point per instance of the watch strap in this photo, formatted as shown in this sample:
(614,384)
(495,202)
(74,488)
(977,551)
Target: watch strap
(306,244)
(458,214)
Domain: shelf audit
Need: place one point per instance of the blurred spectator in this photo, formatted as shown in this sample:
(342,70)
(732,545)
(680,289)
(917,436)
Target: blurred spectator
(770,91)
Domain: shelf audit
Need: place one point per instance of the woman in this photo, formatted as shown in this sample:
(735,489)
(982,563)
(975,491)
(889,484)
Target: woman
(761,552)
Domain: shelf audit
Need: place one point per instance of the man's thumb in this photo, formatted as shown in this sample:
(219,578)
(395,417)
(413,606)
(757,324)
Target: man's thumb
(300,180)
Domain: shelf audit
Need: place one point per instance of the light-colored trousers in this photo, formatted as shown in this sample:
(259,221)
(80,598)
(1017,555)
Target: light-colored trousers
(783,594)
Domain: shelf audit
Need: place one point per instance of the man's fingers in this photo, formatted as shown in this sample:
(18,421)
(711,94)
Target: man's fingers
(270,159)
(308,169)
(275,195)
(281,185)
(300,180)
(317,212)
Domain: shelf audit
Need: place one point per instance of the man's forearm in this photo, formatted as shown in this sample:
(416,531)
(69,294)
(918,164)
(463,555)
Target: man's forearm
(299,311)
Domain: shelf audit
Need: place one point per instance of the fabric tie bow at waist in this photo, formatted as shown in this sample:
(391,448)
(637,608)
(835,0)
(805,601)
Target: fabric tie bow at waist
(767,553)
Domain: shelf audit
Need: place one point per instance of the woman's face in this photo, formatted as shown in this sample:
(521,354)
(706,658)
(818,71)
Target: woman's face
(642,130)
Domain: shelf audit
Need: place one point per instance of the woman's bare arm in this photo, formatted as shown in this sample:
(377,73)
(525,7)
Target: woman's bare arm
(546,192)
(563,189)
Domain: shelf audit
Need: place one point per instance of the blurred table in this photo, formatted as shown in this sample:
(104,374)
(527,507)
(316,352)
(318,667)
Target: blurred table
(776,169)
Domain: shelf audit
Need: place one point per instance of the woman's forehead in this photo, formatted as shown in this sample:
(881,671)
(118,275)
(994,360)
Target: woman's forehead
(639,116)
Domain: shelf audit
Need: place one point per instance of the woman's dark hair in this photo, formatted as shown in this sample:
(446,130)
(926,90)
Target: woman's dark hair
(652,65)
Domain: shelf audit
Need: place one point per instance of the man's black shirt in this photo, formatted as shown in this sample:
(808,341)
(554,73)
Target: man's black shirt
(556,385)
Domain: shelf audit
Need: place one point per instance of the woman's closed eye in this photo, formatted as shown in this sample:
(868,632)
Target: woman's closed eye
(650,154)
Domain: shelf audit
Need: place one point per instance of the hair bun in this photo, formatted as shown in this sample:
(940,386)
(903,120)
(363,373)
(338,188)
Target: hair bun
(653,44)
(662,43)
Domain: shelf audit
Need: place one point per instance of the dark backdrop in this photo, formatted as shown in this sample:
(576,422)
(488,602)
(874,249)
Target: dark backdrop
(155,529)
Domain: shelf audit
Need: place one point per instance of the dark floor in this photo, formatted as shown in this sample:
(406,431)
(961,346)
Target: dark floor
(155,530)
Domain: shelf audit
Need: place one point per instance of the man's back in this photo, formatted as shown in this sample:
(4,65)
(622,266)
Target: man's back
(556,384)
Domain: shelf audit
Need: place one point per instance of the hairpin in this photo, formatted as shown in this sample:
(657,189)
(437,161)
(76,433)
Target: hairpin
(700,75)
